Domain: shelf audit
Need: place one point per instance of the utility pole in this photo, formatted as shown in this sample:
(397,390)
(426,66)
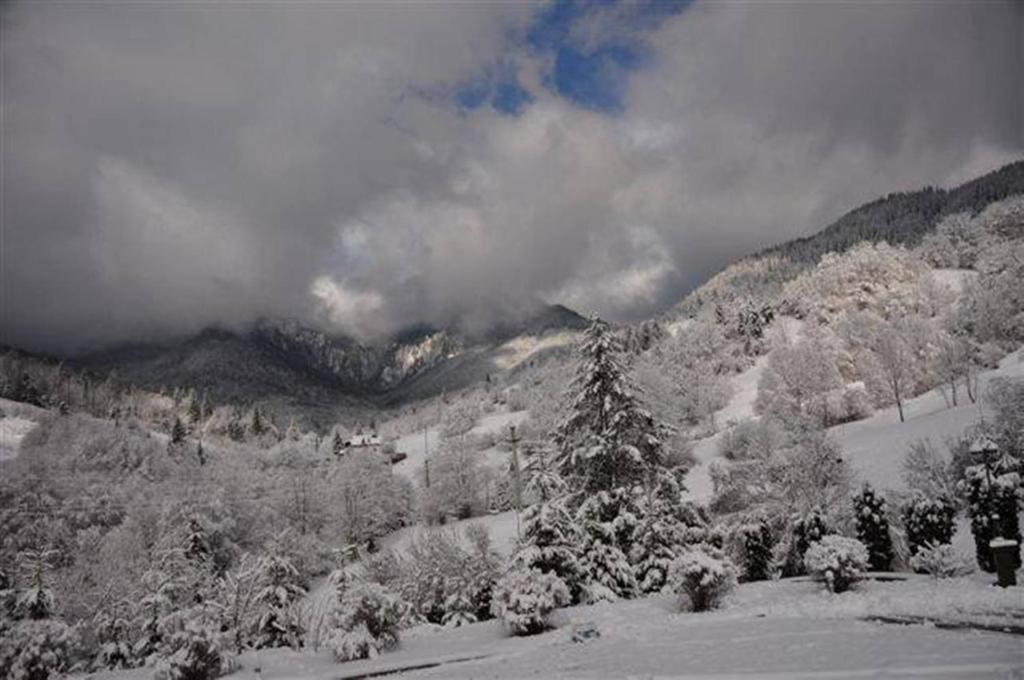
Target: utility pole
(514,440)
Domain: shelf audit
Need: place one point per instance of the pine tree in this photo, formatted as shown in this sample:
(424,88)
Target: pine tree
(607,573)
(873,528)
(655,547)
(608,441)
(757,550)
(552,544)
(278,624)
(337,445)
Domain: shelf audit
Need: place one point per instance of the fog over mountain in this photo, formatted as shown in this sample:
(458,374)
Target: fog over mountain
(367,168)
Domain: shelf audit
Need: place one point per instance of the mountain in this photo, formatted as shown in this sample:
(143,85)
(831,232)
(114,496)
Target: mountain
(299,369)
(904,218)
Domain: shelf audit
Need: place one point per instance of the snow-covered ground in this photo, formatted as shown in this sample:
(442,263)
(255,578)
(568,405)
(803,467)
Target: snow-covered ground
(16,421)
(875,446)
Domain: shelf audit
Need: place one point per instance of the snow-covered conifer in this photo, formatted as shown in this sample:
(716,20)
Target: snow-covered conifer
(276,600)
(873,528)
(608,440)
(928,521)
(757,543)
(551,545)
(607,573)
(366,621)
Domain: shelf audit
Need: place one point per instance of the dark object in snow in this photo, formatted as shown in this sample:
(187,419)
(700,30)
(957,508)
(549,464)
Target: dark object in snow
(582,632)
(1004,551)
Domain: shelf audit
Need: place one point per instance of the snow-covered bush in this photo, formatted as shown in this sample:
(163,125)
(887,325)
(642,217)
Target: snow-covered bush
(838,561)
(928,521)
(523,599)
(36,649)
(941,560)
(752,439)
(608,521)
(447,581)
(873,528)
(193,652)
(702,578)
(366,621)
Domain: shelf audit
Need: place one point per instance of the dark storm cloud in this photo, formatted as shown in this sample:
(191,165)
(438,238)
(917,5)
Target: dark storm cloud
(167,168)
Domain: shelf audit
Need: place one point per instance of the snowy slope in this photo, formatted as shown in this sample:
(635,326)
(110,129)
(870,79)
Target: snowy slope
(417,445)
(875,446)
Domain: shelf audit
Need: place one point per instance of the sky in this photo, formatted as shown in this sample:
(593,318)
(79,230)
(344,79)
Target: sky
(366,167)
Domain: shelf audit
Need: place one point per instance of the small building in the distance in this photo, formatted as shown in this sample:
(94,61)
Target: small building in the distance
(371,441)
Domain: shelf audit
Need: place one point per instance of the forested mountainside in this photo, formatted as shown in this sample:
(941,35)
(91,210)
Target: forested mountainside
(900,219)
(903,218)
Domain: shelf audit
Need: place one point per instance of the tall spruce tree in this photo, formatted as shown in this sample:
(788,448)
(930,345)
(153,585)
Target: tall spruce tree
(608,441)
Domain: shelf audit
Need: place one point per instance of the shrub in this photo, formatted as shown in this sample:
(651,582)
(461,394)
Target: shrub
(873,528)
(192,653)
(941,561)
(704,577)
(523,599)
(36,650)
(367,621)
(928,521)
(838,561)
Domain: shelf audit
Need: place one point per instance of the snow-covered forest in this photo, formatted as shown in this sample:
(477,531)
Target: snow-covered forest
(793,441)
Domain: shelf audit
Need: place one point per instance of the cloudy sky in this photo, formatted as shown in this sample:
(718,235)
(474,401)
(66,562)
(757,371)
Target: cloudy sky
(371,166)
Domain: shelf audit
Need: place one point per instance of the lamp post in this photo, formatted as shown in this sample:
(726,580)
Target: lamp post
(984,449)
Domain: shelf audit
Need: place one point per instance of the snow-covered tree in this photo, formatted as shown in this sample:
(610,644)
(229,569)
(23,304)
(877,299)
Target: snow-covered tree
(757,543)
(551,545)
(928,521)
(806,530)
(276,600)
(542,479)
(702,577)
(524,598)
(457,482)
(873,528)
(608,440)
(796,383)
(367,621)
(237,602)
(607,525)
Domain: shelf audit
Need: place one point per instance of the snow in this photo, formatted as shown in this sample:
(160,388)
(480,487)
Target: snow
(875,446)
(518,350)
(12,431)
(954,280)
(502,528)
